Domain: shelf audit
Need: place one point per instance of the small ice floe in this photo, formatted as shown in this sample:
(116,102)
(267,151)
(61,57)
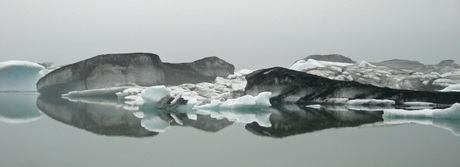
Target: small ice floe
(452,112)
(448,118)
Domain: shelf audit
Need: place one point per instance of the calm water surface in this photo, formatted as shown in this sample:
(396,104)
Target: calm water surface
(63,133)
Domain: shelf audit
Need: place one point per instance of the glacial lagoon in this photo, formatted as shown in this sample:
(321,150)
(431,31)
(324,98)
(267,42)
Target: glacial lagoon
(46,131)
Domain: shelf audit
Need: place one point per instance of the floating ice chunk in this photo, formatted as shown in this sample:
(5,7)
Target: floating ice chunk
(110,91)
(449,113)
(19,75)
(154,94)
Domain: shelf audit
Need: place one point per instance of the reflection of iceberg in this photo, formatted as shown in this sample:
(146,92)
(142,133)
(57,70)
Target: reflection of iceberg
(261,117)
(100,118)
(19,75)
(245,109)
(152,121)
(451,125)
(158,117)
(18,107)
(290,120)
(159,120)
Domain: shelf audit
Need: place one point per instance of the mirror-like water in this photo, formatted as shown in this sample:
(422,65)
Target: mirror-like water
(44,131)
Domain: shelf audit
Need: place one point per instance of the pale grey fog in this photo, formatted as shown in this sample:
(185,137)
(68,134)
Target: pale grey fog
(141,109)
(272,33)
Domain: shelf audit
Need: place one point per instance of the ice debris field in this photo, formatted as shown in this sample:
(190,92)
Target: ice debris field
(224,98)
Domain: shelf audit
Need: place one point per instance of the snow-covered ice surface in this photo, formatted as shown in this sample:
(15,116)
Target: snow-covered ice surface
(452,88)
(381,76)
(19,75)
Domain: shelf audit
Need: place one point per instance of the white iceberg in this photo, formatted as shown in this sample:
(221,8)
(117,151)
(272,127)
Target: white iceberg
(19,75)
(452,112)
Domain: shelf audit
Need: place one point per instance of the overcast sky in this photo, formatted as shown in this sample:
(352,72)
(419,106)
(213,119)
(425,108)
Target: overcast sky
(249,34)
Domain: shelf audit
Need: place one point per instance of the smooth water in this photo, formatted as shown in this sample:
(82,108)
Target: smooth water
(56,132)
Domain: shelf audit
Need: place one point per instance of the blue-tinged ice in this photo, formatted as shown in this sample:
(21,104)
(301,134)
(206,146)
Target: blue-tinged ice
(19,107)
(19,75)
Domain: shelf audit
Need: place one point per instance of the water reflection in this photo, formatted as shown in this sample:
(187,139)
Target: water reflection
(450,125)
(103,118)
(18,107)
(288,120)
(110,117)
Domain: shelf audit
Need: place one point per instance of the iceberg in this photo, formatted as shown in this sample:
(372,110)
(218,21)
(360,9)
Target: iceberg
(143,69)
(299,87)
(19,75)
(104,71)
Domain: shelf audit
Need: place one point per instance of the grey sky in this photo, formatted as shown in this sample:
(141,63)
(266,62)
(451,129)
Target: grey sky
(249,34)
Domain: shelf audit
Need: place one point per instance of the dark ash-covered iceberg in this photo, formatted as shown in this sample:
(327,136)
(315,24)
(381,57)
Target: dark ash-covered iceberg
(143,69)
(299,87)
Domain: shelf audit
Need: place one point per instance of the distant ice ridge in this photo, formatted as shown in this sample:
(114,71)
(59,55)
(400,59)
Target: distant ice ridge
(19,75)
(381,76)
